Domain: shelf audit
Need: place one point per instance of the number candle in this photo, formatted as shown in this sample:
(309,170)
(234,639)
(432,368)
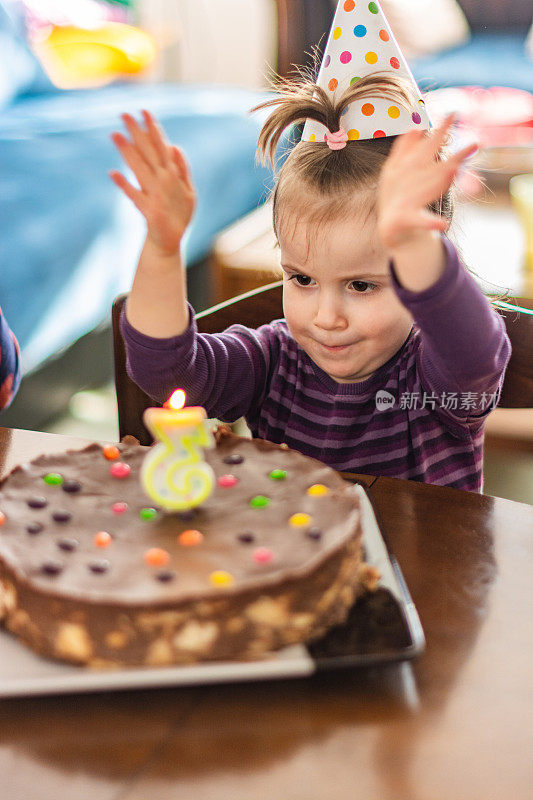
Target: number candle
(173,473)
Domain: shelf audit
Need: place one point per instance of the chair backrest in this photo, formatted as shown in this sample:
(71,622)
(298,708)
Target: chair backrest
(252,309)
(262,305)
(517,390)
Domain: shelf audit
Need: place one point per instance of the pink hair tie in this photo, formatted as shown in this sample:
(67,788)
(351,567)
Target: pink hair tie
(336,141)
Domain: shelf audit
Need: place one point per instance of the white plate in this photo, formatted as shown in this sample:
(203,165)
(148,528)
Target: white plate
(23,672)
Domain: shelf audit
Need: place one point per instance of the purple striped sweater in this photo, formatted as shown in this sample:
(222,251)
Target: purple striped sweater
(420,416)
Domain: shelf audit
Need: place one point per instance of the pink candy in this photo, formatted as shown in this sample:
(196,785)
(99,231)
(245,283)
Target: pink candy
(263,555)
(119,508)
(120,470)
(227,481)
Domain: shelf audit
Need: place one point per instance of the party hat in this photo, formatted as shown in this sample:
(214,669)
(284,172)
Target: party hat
(361,42)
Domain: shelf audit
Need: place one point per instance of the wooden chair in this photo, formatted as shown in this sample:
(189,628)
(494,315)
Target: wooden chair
(252,309)
(262,305)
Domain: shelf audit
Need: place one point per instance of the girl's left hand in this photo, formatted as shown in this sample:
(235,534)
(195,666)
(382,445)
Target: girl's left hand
(410,180)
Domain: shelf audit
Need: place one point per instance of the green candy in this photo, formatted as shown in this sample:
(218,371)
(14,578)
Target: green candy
(148,513)
(278,474)
(53,479)
(259,501)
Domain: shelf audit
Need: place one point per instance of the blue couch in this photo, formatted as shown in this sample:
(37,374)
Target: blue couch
(69,240)
(495,55)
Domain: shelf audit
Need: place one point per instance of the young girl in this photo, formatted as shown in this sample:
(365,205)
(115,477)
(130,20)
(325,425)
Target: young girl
(389,357)
(9,364)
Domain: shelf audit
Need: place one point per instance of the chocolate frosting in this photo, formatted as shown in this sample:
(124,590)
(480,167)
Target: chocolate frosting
(61,559)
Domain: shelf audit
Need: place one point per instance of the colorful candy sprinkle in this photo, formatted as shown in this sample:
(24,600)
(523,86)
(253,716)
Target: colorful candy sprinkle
(259,501)
(234,458)
(278,474)
(71,486)
(227,481)
(317,489)
(299,520)
(120,470)
(156,557)
(51,567)
(68,545)
(102,539)
(263,555)
(190,538)
(37,502)
(148,514)
(61,515)
(221,578)
(53,479)
(99,566)
(314,533)
(34,527)
(165,575)
(247,537)
(119,508)
(111,452)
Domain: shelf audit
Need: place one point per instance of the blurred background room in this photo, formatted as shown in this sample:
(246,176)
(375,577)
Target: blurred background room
(69,241)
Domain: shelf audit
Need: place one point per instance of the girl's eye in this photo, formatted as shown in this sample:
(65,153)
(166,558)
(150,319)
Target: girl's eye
(362,286)
(301,280)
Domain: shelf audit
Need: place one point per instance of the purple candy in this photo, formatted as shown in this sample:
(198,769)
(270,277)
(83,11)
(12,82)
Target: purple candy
(37,502)
(71,486)
(35,527)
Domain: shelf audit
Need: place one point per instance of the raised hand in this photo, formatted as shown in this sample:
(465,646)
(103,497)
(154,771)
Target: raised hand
(166,196)
(410,180)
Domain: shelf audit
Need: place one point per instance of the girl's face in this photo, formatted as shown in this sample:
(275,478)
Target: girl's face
(338,298)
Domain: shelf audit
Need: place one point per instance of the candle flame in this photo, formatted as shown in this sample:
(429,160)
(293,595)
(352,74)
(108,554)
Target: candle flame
(176,400)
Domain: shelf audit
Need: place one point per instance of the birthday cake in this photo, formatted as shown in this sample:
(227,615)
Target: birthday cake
(92,572)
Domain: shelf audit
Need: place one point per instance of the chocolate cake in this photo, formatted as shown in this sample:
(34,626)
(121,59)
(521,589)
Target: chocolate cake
(92,573)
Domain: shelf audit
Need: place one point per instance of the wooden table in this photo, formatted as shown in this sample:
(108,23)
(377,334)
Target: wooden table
(455,725)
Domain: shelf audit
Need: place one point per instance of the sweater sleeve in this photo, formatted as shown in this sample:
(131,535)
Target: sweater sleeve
(9,364)
(465,348)
(226,373)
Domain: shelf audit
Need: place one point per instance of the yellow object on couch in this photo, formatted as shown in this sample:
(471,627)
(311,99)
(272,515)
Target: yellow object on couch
(78,57)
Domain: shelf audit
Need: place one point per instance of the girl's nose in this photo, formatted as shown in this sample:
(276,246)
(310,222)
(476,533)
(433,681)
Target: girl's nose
(330,314)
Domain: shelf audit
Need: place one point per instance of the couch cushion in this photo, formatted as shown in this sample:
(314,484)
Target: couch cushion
(489,59)
(69,240)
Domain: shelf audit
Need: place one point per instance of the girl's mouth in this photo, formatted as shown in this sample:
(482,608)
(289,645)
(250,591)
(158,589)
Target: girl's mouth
(337,348)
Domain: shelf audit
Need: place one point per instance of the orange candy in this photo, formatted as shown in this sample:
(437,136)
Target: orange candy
(103,539)
(190,538)
(111,452)
(2,517)
(156,557)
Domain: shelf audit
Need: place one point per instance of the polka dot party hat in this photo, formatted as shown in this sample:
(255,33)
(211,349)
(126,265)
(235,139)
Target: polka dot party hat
(361,42)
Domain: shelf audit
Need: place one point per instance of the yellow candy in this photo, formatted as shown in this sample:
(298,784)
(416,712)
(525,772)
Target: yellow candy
(221,578)
(299,520)
(317,489)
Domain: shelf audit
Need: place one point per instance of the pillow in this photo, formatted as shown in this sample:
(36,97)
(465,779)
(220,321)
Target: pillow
(424,27)
(20,71)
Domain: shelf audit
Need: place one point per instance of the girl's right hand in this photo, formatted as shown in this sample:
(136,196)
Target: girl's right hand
(166,197)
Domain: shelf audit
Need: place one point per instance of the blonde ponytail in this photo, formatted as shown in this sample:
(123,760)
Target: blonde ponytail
(314,180)
(300,99)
